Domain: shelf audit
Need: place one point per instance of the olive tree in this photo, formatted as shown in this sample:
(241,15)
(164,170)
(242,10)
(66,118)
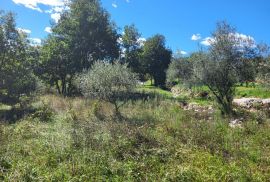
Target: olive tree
(220,68)
(108,82)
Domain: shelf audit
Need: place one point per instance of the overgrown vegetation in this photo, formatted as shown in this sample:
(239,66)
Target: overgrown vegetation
(91,104)
(157,140)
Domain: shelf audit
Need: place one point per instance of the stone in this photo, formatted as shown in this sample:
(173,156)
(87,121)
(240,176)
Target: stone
(236,123)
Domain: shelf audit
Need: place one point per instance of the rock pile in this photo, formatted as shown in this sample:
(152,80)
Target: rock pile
(249,103)
(197,108)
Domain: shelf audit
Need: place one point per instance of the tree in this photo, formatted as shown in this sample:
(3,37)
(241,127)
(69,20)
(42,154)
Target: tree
(180,69)
(132,47)
(108,82)
(219,68)
(264,71)
(86,26)
(16,76)
(155,59)
(56,67)
(247,71)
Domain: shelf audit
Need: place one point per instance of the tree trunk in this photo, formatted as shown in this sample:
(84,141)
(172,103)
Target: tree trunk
(64,86)
(58,87)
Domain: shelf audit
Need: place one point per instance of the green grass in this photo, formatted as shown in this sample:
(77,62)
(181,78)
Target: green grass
(4,107)
(155,140)
(155,90)
(258,91)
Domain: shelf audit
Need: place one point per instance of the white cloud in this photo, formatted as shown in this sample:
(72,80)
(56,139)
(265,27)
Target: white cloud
(48,29)
(183,52)
(35,41)
(244,40)
(207,41)
(141,41)
(114,5)
(241,39)
(120,40)
(244,37)
(58,9)
(56,17)
(180,52)
(33,4)
(24,30)
(49,11)
(196,37)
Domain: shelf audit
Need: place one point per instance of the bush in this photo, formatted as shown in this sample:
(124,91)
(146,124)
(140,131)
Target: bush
(108,82)
(44,113)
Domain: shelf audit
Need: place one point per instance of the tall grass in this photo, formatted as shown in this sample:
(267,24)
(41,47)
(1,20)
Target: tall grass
(154,141)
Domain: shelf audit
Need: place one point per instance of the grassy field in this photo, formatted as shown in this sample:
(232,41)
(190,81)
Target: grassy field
(258,92)
(241,91)
(71,139)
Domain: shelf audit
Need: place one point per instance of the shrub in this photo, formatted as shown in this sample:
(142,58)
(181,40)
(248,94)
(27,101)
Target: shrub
(108,82)
(44,113)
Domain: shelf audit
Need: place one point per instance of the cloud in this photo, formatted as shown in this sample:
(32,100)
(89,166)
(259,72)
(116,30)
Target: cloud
(120,40)
(58,9)
(27,31)
(33,4)
(195,37)
(241,40)
(48,29)
(180,52)
(183,52)
(114,5)
(244,37)
(35,41)
(56,17)
(244,40)
(141,41)
(207,41)
(128,1)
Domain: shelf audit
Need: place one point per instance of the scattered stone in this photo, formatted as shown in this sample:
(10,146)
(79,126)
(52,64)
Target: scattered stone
(250,103)
(236,123)
(197,108)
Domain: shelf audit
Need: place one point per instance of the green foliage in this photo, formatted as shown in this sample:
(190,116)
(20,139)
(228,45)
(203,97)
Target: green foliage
(264,71)
(108,82)
(56,67)
(83,35)
(44,113)
(132,48)
(180,70)
(16,77)
(90,34)
(157,141)
(155,59)
(220,68)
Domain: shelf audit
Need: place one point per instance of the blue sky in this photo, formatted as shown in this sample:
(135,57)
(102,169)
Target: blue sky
(178,20)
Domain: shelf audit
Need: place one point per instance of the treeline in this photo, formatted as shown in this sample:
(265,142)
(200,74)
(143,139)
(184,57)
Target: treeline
(85,34)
